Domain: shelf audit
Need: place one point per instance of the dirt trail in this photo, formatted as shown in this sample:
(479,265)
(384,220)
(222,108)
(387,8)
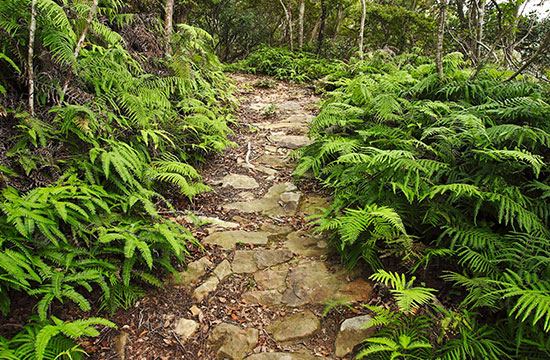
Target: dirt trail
(259,290)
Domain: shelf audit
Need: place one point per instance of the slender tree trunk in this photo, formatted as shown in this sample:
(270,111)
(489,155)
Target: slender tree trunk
(322,28)
(315,29)
(301,24)
(79,43)
(288,16)
(339,20)
(168,26)
(480,27)
(440,37)
(362,29)
(542,47)
(32,30)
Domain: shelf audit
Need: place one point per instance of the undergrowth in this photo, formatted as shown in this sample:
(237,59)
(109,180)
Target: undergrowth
(451,175)
(85,182)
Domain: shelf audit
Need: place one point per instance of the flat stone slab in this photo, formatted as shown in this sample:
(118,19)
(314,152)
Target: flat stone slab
(194,271)
(243,262)
(290,106)
(263,297)
(280,200)
(310,282)
(352,334)
(238,181)
(295,327)
(290,141)
(228,239)
(271,160)
(211,221)
(267,258)
(303,243)
(272,279)
(231,342)
(281,356)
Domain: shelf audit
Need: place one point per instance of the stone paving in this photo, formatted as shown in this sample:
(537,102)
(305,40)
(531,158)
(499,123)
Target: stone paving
(287,268)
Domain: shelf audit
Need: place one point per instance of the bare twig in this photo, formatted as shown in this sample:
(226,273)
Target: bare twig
(248,153)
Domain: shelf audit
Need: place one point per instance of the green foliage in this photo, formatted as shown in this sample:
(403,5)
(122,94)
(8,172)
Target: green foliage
(425,168)
(84,183)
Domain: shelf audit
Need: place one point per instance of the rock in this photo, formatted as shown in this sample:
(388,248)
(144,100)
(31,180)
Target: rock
(271,204)
(260,106)
(281,356)
(269,148)
(272,279)
(276,229)
(185,328)
(290,106)
(263,297)
(309,283)
(247,195)
(238,181)
(228,239)
(314,205)
(243,262)
(357,290)
(195,310)
(271,160)
(267,258)
(212,221)
(290,141)
(119,344)
(232,342)
(266,170)
(223,270)
(205,288)
(303,243)
(194,271)
(351,334)
(290,200)
(295,327)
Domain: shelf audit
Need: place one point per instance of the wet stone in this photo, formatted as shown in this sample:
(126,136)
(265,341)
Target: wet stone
(271,204)
(291,141)
(295,327)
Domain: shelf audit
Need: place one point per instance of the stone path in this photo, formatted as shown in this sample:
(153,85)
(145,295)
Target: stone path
(284,265)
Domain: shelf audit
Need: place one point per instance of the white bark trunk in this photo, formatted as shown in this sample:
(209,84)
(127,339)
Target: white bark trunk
(301,24)
(168,27)
(288,16)
(32,30)
(440,37)
(362,28)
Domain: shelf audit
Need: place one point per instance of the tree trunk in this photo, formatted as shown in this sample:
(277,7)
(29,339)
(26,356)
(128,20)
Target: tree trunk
(288,16)
(362,28)
(322,28)
(315,29)
(339,20)
(79,43)
(32,30)
(301,24)
(542,47)
(168,26)
(440,37)
(480,26)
